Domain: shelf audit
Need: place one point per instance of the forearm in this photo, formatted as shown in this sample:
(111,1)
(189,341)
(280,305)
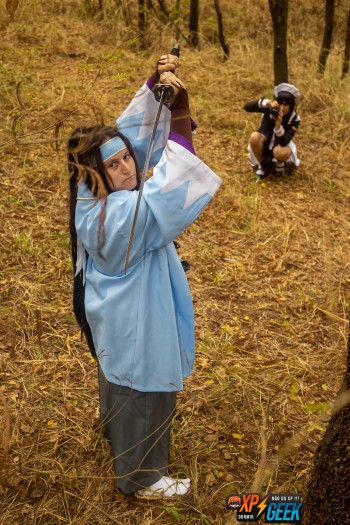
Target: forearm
(284,139)
(285,135)
(180,116)
(256,106)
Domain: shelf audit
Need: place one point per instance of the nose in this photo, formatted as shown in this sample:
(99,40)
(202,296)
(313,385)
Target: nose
(124,166)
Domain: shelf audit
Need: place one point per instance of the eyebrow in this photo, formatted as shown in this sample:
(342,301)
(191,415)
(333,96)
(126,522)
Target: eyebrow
(110,161)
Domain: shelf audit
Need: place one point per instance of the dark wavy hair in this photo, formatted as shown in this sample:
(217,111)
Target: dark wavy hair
(85,164)
(284,97)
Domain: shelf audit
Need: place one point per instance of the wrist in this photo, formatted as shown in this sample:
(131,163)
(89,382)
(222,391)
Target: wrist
(264,103)
(153,80)
(279,131)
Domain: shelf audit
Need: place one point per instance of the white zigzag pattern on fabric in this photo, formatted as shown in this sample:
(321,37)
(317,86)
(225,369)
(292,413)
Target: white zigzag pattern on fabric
(146,113)
(202,180)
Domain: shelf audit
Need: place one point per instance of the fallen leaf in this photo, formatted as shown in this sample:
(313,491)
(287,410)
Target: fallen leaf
(210,479)
(37,492)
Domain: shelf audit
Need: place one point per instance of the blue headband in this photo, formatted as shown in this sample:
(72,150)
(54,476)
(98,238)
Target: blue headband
(111,147)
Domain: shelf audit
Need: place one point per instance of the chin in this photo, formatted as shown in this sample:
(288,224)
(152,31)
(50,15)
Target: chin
(133,182)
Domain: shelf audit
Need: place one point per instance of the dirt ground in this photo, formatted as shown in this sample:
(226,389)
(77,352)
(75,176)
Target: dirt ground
(269,265)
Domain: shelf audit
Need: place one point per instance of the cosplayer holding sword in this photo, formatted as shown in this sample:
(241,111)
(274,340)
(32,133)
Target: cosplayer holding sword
(138,321)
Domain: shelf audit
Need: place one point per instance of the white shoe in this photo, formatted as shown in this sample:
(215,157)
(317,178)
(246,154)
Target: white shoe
(260,173)
(165,488)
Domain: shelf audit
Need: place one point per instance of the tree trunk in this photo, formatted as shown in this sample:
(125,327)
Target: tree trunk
(279,15)
(193,27)
(142,22)
(346,60)
(327,36)
(328,493)
(224,45)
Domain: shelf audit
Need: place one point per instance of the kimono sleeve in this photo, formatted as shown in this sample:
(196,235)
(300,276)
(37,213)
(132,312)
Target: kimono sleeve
(137,121)
(181,186)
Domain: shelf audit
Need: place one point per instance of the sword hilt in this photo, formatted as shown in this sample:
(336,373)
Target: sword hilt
(175,50)
(166,90)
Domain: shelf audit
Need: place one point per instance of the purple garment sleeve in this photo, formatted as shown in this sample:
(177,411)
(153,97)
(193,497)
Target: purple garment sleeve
(152,81)
(179,139)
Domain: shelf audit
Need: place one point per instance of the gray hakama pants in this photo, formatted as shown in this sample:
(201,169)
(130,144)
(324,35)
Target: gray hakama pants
(137,425)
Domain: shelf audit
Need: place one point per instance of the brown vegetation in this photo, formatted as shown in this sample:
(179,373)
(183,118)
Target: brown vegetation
(270,264)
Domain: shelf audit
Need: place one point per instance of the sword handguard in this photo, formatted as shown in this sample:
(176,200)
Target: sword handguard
(166,90)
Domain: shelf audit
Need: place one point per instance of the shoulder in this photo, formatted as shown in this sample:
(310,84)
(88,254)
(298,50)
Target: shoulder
(116,203)
(83,192)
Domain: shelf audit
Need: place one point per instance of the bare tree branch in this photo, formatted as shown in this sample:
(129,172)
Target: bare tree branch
(224,45)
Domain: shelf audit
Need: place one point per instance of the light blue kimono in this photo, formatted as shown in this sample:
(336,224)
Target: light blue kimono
(142,321)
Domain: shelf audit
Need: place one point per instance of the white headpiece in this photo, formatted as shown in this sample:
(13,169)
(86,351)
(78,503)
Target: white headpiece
(290,89)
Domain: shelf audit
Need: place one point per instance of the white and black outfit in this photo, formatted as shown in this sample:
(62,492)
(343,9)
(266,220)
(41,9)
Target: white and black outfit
(284,137)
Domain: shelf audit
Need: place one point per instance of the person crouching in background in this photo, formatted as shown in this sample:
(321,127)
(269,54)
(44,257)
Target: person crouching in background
(272,145)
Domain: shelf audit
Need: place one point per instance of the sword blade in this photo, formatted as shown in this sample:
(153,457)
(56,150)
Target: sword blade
(143,177)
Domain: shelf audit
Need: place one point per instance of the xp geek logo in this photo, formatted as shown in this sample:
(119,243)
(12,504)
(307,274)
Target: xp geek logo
(276,508)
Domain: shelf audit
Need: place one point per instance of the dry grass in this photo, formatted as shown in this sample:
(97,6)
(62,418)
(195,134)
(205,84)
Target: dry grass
(270,267)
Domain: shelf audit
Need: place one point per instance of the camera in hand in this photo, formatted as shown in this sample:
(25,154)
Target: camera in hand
(273,111)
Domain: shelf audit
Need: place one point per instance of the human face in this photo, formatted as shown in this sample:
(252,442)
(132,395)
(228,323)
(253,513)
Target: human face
(121,171)
(285,108)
